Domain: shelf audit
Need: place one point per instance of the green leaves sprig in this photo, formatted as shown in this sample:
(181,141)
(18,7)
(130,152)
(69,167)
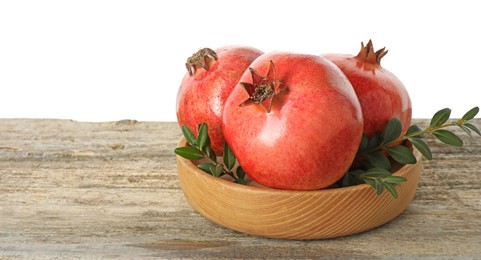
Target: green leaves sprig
(200,148)
(378,178)
(373,166)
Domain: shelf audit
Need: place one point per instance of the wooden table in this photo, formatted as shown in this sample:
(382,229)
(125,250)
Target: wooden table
(109,190)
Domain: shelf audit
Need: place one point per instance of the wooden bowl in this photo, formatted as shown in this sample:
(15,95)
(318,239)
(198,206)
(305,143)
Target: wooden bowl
(289,214)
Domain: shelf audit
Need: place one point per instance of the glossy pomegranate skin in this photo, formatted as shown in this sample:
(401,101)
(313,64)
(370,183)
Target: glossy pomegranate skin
(381,94)
(201,97)
(309,138)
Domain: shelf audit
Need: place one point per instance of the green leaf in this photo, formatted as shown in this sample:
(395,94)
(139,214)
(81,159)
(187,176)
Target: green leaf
(371,183)
(348,180)
(189,136)
(448,137)
(380,179)
(402,154)
(206,167)
(376,173)
(189,152)
(212,169)
(363,144)
(240,181)
(466,129)
(440,117)
(422,147)
(203,136)
(351,178)
(374,142)
(472,127)
(390,188)
(378,160)
(379,186)
(471,114)
(392,131)
(393,179)
(414,129)
(216,170)
(229,157)
(210,153)
(240,173)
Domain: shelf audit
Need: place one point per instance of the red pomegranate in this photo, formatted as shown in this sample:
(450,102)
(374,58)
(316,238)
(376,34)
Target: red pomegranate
(294,121)
(381,93)
(211,77)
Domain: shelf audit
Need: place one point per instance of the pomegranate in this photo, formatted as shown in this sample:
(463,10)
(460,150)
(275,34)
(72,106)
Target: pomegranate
(381,93)
(211,77)
(294,121)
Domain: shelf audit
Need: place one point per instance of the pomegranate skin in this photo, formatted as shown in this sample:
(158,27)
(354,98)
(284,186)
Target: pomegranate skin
(201,97)
(309,138)
(381,94)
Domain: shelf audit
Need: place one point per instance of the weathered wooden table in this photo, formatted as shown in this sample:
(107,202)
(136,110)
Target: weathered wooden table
(70,189)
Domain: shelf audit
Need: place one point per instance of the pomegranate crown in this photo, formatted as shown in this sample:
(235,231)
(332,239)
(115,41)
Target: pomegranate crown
(202,58)
(367,53)
(263,88)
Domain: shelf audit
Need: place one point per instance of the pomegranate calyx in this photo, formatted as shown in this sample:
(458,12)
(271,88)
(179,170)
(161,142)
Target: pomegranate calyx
(263,88)
(367,53)
(202,58)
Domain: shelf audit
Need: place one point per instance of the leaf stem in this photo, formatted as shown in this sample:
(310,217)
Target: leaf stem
(224,171)
(400,139)
(425,131)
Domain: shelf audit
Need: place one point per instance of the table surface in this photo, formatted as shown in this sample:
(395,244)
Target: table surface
(109,190)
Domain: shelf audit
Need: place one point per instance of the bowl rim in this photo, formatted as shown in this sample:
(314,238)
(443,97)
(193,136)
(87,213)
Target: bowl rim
(232,185)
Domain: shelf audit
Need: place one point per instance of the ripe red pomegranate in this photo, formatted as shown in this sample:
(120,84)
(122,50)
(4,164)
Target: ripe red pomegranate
(381,93)
(211,77)
(294,121)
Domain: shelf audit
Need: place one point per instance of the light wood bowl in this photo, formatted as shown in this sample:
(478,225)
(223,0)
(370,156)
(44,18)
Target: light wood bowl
(288,214)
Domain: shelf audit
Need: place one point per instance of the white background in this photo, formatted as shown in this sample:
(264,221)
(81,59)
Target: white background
(111,60)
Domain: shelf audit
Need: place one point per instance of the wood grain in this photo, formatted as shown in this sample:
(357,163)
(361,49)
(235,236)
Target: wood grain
(110,190)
